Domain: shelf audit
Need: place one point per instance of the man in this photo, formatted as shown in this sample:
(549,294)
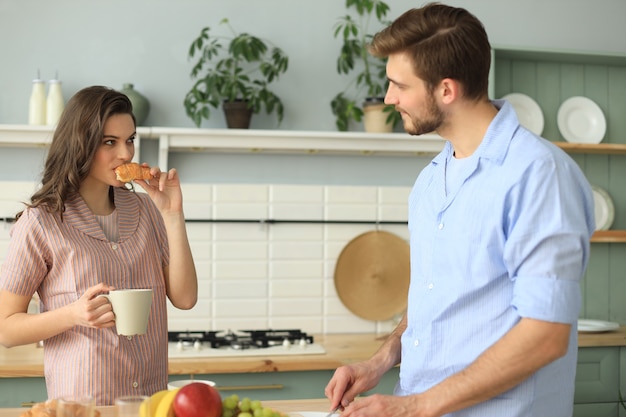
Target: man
(499,224)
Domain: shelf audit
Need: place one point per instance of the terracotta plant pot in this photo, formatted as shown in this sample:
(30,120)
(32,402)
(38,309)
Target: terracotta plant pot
(237,114)
(374,116)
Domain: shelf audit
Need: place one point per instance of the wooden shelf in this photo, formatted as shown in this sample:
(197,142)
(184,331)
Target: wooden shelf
(609,236)
(601,148)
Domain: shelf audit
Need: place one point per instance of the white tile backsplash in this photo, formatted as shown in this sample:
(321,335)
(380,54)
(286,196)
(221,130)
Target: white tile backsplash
(257,274)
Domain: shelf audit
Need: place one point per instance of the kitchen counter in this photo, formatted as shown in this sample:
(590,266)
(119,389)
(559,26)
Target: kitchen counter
(341,349)
(285,406)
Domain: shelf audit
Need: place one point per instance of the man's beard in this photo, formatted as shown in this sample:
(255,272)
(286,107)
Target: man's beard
(431,122)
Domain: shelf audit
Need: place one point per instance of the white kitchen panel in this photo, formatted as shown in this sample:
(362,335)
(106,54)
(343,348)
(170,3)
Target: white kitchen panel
(394,195)
(281,269)
(392,213)
(349,194)
(193,192)
(351,212)
(238,269)
(240,308)
(243,211)
(242,251)
(240,288)
(199,231)
(297,232)
(306,194)
(333,249)
(290,288)
(334,307)
(245,323)
(240,232)
(203,268)
(202,309)
(345,232)
(243,193)
(196,210)
(296,307)
(310,325)
(292,211)
(346,324)
(296,250)
(200,249)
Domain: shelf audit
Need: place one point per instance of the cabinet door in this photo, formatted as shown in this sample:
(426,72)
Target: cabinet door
(284,385)
(596,410)
(597,375)
(16,392)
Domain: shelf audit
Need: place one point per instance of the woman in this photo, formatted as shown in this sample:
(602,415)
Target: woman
(82,234)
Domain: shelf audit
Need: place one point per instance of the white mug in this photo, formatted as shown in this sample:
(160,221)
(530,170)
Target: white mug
(132,310)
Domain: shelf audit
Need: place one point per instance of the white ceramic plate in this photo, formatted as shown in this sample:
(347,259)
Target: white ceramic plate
(528,111)
(603,208)
(581,120)
(309,414)
(596,326)
(182,382)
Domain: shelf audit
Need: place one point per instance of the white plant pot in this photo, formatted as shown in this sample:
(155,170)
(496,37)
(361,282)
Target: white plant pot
(375,119)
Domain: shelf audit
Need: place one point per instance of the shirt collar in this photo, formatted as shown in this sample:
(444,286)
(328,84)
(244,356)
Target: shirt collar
(78,215)
(497,139)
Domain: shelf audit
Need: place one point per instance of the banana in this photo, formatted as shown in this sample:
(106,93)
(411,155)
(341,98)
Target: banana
(164,408)
(154,401)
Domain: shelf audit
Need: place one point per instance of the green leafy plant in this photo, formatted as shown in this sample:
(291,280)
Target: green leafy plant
(242,72)
(370,80)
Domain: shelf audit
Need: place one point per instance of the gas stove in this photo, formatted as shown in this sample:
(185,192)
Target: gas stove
(199,344)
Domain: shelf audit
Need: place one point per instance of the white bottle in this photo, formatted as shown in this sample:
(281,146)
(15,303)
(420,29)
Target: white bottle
(55,103)
(37,105)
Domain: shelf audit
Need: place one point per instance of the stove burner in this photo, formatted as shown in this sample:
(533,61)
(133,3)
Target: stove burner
(242,339)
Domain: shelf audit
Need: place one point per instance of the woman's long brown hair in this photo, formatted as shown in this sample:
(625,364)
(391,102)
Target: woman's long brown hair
(75,141)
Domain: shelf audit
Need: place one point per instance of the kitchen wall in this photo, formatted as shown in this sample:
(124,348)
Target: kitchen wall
(254,275)
(146,42)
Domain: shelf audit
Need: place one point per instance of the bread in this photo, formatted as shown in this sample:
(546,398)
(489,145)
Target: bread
(132,171)
(46,409)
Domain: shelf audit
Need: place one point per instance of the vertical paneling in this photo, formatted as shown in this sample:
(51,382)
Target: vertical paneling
(550,79)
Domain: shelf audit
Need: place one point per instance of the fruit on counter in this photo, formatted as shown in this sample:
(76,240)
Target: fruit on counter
(197,400)
(165,405)
(232,406)
(154,401)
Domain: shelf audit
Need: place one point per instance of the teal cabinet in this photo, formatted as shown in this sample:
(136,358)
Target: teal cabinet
(284,385)
(18,392)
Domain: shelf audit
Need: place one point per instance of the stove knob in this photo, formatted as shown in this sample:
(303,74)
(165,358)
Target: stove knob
(286,343)
(302,342)
(197,345)
(179,346)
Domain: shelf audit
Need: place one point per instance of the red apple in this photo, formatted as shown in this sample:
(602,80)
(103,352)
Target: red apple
(197,400)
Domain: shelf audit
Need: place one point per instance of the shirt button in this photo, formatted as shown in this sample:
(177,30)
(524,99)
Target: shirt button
(416,342)
(129,337)
(440,226)
(114,246)
(135,384)
(430,286)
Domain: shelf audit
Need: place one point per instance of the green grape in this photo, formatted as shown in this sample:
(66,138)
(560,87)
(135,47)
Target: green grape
(268,412)
(230,403)
(258,412)
(244,405)
(244,414)
(228,413)
(256,405)
(276,414)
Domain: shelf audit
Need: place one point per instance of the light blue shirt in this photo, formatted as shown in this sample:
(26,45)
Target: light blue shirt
(509,238)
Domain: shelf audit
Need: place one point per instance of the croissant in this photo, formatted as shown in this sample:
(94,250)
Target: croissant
(132,171)
(46,409)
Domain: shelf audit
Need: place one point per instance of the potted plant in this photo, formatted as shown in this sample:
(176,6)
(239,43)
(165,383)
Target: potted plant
(370,83)
(236,77)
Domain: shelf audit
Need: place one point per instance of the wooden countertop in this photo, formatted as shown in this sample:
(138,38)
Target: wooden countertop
(284,406)
(27,361)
